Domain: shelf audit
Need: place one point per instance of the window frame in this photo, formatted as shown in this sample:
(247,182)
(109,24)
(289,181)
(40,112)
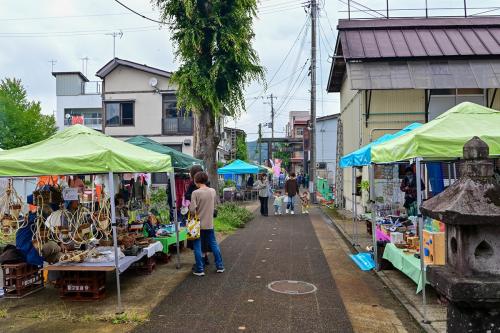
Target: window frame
(120,103)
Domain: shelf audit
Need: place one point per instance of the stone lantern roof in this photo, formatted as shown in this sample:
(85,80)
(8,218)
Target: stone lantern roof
(475,198)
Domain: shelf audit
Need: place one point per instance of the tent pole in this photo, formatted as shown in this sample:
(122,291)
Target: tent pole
(449,174)
(354,208)
(25,197)
(171,177)
(454,172)
(420,220)
(115,240)
(371,173)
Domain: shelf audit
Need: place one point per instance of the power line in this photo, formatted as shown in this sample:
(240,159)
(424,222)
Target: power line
(284,60)
(73,33)
(137,13)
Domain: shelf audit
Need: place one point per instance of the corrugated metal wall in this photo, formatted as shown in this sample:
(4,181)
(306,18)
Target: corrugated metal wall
(68,85)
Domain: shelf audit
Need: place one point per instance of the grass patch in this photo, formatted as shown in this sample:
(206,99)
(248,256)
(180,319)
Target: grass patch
(126,318)
(333,213)
(3,313)
(230,217)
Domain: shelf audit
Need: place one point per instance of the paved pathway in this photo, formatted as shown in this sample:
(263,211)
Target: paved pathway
(266,250)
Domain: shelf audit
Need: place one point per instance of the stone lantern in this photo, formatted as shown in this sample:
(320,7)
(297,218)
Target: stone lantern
(470,208)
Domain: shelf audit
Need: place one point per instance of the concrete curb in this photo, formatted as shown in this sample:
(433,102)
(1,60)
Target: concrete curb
(386,281)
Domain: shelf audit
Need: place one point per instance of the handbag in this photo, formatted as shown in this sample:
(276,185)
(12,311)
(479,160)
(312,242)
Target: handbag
(193,227)
(286,199)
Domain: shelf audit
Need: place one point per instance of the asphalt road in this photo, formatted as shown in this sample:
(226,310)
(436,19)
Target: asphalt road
(266,250)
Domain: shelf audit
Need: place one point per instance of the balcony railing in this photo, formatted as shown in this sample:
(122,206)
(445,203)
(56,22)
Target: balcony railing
(178,125)
(95,123)
(91,88)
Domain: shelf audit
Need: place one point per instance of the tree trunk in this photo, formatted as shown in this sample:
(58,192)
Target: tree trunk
(205,144)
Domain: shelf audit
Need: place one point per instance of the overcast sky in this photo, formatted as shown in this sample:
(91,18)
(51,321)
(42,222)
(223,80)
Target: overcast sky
(33,32)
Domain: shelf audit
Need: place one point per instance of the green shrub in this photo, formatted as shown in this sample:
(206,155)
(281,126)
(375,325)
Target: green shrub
(230,216)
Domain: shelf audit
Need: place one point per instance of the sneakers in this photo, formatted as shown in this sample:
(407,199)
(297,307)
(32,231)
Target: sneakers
(287,211)
(292,212)
(221,270)
(199,273)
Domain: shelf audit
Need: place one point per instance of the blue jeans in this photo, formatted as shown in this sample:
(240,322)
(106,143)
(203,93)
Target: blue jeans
(198,255)
(291,203)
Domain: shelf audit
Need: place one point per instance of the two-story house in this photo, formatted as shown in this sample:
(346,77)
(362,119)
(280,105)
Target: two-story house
(295,129)
(78,100)
(326,138)
(141,100)
(392,72)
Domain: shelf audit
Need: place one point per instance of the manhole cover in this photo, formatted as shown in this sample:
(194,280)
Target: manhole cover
(292,287)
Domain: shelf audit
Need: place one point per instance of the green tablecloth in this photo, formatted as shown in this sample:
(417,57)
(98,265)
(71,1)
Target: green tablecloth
(167,241)
(405,262)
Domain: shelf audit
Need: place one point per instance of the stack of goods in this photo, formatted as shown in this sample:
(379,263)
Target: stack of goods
(10,212)
(434,242)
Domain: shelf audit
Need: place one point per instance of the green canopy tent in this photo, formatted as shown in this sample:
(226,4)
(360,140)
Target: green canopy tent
(441,139)
(444,137)
(79,150)
(180,161)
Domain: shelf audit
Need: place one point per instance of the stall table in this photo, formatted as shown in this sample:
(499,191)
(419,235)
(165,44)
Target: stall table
(405,262)
(171,240)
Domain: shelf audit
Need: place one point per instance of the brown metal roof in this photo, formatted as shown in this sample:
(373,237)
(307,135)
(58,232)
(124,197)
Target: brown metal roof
(413,39)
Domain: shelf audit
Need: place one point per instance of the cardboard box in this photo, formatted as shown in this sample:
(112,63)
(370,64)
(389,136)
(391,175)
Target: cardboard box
(434,248)
(397,238)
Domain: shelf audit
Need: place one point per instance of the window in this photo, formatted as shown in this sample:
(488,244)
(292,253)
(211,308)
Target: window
(299,131)
(120,114)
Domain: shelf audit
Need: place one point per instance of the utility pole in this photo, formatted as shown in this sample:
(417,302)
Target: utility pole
(259,142)
(53,63)
(272,98)
(312,163)
(114,35)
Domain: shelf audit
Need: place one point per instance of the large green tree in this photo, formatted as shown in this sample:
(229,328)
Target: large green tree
(213,41)
(21,120)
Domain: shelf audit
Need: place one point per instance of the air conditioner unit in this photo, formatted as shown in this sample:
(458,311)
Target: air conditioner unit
(321,165)
(187,142)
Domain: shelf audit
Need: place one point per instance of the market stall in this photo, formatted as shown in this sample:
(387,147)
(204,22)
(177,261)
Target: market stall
(362,157)
(442,139)
(238,168)
(79,150)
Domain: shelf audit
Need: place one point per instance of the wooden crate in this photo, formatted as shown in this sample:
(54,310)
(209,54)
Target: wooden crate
(82,285)
(145,265)
(434,248)
(20,280)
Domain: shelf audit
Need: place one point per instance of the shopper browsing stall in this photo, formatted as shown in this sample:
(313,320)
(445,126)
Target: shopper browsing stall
(203,203)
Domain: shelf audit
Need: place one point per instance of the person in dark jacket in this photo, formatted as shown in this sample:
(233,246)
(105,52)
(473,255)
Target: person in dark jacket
(409,187)
(250,181)
(291,190)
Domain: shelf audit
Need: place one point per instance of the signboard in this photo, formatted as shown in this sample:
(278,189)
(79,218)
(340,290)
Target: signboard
(70,194)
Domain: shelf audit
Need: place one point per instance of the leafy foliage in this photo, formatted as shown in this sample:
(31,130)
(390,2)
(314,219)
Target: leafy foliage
(214,47)
(241,147)
(231,216)
(283,154)
(21,121)
(159,204)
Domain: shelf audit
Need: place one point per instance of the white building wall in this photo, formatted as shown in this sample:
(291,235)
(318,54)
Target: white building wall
(326,147)
(126,84)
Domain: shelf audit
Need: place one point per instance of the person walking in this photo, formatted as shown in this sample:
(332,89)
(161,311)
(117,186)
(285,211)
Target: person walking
(187,201)
(262,184)
(291,190)
(203,203)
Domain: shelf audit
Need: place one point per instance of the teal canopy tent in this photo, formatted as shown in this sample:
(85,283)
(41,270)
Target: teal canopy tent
(238,167)
(180,161)
(362,156)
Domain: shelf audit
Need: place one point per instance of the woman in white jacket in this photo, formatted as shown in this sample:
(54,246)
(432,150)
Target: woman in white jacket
(262,184)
